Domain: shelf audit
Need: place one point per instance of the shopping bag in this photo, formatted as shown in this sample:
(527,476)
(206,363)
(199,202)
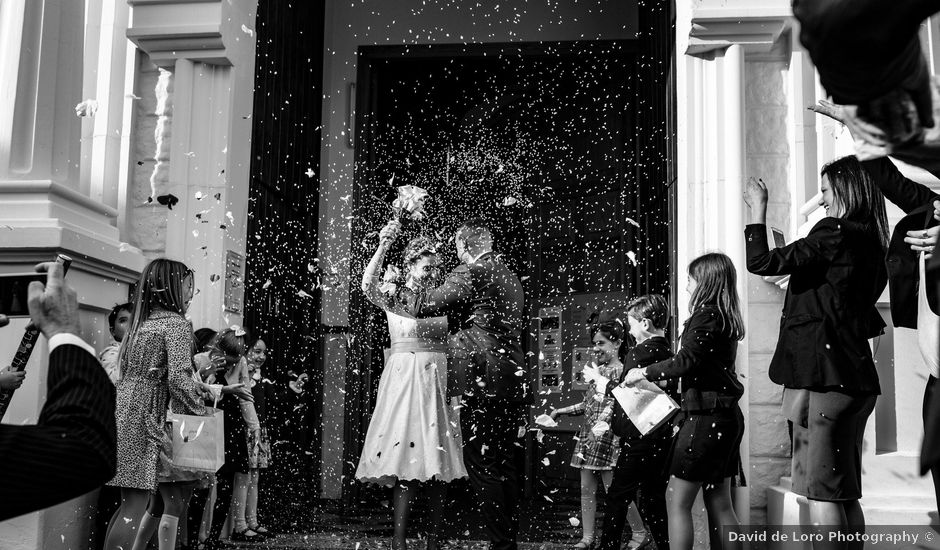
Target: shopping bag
(645,404)
(198,441)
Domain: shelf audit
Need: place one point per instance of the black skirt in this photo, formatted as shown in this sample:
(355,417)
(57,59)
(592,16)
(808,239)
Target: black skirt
(707,447)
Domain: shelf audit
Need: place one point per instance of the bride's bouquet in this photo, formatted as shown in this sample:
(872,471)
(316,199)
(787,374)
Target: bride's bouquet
(410,202)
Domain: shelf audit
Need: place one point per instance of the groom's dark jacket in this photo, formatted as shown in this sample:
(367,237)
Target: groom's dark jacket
(484,301)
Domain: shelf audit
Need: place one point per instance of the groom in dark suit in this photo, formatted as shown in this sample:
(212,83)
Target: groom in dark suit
(486,300)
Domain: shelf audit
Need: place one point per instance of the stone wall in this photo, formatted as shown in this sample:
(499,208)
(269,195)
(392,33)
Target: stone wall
(768,157)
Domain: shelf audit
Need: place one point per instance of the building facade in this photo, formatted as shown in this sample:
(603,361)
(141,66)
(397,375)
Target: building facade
(170,94)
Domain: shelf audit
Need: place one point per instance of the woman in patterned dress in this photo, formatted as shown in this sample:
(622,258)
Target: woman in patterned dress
(156,367)
(596,450)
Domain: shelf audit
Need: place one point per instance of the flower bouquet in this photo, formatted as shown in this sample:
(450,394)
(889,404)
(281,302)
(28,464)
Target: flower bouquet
(410,202)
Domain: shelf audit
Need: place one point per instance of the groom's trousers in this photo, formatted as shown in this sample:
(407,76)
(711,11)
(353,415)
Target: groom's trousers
(490,430)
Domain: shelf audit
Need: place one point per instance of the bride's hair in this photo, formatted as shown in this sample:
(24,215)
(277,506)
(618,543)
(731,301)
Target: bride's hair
(416,249)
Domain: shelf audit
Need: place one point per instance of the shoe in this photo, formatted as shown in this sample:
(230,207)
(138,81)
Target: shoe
(583,544)
(260,529)
(245,536)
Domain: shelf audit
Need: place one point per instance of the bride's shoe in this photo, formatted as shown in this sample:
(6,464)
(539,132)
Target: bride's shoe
(583,544)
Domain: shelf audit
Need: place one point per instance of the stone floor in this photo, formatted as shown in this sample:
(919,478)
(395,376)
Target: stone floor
(545,524)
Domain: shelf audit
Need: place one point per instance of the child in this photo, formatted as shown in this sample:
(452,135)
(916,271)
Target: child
(595,452)
(641,467)
(705,452)
(118,320)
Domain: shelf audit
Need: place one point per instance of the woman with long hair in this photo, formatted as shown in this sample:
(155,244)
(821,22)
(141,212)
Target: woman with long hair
(705,453)
(414,436)
(823,359)
(156,371)
(596,455)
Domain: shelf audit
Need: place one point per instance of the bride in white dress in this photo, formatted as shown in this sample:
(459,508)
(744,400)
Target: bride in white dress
(414,435)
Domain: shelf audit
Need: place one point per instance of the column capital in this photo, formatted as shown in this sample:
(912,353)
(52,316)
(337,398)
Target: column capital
(208,31)
(758,30)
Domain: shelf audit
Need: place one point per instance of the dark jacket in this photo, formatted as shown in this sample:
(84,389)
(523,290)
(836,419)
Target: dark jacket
(862,48)
(486,300)
(705,360)
(837,273)
(73,447)
(651,350)
(916,201)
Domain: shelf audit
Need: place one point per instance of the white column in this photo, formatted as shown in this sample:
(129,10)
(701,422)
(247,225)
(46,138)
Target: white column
(44,209)
(733,181)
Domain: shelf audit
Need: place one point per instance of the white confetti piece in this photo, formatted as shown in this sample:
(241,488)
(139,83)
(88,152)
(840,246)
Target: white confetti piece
(631,255)
(509,201)
(574,522)
(247,31)
(631,221)
(310,173)
(266,284)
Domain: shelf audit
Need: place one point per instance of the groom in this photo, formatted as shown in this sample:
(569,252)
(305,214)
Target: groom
(487,300)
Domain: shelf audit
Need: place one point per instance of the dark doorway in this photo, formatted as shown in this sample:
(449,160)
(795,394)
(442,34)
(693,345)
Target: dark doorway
(564,149)
(282,243)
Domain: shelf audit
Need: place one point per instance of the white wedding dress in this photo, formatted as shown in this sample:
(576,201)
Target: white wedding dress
(414,433)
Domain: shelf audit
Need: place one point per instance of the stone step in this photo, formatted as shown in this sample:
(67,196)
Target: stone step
(895,473)
(784,507)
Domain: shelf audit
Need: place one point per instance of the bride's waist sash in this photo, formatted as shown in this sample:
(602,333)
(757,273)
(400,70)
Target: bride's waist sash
(413,345)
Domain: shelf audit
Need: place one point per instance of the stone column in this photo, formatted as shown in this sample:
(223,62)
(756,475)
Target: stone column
(205,51)
(45,209)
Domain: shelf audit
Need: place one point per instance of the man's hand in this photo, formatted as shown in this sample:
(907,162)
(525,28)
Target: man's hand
(936,213)
(11,380)
(53,307)
(923,240)
(390,232)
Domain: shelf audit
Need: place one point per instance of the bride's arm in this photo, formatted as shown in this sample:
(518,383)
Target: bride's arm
(372,280)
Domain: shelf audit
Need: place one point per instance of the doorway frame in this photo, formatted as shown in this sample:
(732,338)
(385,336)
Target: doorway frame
(358,380)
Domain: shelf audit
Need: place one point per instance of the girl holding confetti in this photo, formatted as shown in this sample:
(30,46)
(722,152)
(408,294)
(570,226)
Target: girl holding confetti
(596,450)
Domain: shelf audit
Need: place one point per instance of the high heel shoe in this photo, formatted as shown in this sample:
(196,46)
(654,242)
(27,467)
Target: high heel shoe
(583,544)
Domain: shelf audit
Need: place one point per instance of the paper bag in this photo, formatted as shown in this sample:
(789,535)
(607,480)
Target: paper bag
(198,441)
(646,405)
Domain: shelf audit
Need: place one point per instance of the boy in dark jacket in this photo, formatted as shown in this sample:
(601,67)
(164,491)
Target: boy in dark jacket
(640,474)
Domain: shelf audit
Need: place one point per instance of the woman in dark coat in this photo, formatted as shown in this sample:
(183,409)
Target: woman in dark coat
(823,358)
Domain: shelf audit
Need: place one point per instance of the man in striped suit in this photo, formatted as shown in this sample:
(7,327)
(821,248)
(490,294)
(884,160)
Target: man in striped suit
(72,449)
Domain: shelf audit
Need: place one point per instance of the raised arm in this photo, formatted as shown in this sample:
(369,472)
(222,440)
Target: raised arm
(456,291)
(820,246)
(372,280)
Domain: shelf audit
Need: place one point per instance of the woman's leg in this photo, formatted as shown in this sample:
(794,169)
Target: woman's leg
(175,498)
(437,493)
(827,517)
(588,504)
(149,522)
(720,513)
(124,531)
(206,525)
(680,494)
(403,495)
(223,497)
(239,500)
(251,504)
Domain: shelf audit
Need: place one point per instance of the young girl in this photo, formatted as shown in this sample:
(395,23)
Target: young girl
(263,391)
(705,451)
(596,455)
(156,368)
(228,353)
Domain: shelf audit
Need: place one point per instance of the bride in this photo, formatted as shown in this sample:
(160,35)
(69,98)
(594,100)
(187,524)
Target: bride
(414,435)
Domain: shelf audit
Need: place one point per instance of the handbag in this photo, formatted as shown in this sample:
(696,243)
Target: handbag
(646,405)
(198,441)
